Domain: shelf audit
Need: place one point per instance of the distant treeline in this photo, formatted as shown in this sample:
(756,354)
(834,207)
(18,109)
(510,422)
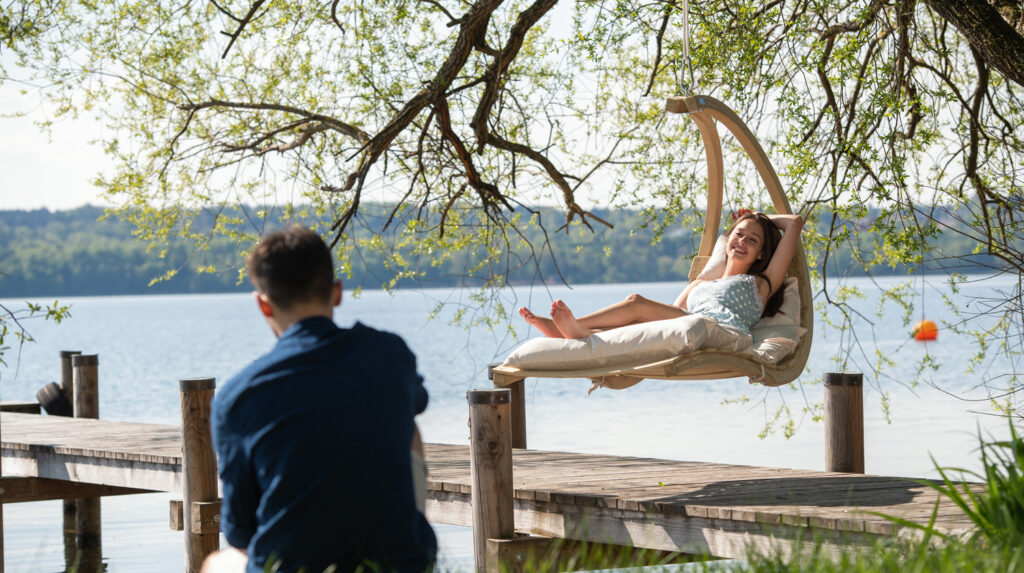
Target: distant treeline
(74,252)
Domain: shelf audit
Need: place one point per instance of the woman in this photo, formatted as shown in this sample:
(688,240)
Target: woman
(757,258)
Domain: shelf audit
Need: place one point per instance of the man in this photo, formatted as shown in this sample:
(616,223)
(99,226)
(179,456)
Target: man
(313,439)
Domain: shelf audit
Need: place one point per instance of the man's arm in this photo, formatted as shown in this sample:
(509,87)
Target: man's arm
(240,497)
(419,469)
(417,440)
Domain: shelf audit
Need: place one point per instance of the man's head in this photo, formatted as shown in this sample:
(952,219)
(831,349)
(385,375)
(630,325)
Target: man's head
(293,274)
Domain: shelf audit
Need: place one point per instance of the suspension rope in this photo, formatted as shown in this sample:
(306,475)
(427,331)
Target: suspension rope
(684,81)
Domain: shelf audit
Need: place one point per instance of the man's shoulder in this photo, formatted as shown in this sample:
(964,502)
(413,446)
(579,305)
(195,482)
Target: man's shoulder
(336,344)
(372,335)
(237,384)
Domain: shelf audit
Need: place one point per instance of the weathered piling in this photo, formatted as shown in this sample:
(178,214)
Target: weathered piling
(518,412)
(844,422)
(490,469)
(67,376)
(201,510)
(1,522)
(85,380)
(67,387)
(88,532)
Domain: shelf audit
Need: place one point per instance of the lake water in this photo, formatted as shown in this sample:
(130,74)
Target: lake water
(147,343)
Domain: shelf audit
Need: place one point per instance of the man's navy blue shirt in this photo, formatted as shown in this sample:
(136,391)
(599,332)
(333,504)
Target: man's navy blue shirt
(313,443)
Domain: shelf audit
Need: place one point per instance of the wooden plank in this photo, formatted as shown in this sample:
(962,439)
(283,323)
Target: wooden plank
(88,469)
(93,438)
(206,517)
(177,515)
(122,454)
(20,407)
(27,489)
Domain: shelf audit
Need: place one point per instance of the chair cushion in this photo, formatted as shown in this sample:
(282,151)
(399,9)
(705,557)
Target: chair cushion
(633,344)
(776,337)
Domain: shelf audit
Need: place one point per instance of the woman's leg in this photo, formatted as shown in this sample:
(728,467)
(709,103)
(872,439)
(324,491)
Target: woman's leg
(634,309)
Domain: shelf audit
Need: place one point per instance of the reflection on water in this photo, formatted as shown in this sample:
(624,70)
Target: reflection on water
(146,344)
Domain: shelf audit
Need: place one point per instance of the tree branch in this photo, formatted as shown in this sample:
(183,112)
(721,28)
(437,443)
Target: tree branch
(490,196)
(242,23)
(669,6)
(573,209)
(999,44)
(473,27)
(493,76)
(333,123)
(334,16)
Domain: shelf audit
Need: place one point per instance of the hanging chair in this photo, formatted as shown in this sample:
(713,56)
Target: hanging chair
(705,364)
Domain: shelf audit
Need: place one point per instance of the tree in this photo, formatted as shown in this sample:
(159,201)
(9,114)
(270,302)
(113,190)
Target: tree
(12,323)
(462,114)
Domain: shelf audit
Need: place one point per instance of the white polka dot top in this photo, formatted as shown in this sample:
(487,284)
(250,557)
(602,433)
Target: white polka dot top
(731,301)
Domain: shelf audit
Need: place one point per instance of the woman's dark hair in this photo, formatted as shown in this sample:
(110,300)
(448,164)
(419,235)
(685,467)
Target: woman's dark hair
(292,266)
(772,237)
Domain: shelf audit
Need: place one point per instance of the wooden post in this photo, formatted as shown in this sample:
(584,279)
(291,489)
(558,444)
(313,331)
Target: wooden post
(518,413)
(844,422)
(85,381)
(67,379)
(518,389)
(491,469)
(67,386)
(1,519)
(198,471)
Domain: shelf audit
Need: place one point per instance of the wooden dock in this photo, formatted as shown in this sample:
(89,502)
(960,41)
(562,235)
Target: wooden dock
(692,507)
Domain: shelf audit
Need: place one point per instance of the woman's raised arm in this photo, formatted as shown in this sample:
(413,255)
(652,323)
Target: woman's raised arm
(790,225)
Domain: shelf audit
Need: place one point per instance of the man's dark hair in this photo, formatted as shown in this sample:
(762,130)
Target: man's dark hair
(292,266)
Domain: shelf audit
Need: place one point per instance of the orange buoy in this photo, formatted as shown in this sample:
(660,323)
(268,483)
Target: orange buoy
(925,330)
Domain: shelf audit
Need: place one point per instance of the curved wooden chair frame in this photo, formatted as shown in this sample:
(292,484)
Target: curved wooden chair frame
(710,364)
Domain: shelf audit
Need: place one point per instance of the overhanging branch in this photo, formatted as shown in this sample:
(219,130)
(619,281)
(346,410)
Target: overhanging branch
(999,44)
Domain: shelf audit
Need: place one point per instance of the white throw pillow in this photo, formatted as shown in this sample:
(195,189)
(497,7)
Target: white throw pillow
(776,337)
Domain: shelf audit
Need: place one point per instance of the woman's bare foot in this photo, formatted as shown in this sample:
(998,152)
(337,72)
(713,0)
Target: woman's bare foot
(566,322)
(545,325)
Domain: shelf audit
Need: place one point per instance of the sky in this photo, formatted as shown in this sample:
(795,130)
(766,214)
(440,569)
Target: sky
(40,170)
